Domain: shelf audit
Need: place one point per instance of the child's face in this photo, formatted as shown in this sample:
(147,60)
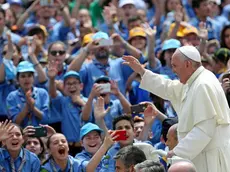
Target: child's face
(59,147)
(92,142)
(15,141)
(72,86)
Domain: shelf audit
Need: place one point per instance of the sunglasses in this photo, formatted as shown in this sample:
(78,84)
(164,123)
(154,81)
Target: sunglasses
(55,53)
(4,53)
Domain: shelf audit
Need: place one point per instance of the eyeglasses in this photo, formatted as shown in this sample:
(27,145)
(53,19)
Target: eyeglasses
(55,53)
(69,84)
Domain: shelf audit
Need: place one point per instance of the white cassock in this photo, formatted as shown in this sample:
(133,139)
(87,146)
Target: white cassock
(203,114)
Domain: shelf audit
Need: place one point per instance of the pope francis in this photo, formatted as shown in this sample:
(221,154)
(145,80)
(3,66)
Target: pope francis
(201,105)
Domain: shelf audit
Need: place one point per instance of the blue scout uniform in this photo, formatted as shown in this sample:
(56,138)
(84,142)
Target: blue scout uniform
(70,114)
(72,166)
(5,89)
(16,101)
(25,162)
(165,70)
(84,157)
(108,163)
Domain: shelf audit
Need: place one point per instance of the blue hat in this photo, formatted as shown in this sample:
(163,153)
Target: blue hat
(102,78)
(87,128)
(25,66)
(100,35)
(72,73)
(171,44)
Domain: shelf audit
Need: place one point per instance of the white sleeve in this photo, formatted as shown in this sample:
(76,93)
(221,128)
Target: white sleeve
(196,140)
(157,84)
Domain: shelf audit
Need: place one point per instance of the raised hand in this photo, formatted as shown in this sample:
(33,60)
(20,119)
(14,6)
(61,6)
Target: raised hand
(150,33)
(134,64)
(110,139)
(10,50)
(5,129)
(114,88)
(99,108)
(52,69)
(50,130)
(117,37)
(31,43)
(150,113)
(96,90)
(110,14)
(203,31)
(178,15)
(28,131)
(226,85)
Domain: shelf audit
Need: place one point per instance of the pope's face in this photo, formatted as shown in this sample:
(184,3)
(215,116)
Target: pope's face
(179,67)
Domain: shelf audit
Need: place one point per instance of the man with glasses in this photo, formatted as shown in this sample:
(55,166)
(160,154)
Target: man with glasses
(102,64)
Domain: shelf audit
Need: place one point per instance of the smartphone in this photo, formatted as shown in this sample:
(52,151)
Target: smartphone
(46,2)
(40,132)
(122,135)
(106,42)
(139,108)
(106,88)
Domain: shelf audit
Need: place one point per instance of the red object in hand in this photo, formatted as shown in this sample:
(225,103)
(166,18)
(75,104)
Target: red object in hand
(121,135)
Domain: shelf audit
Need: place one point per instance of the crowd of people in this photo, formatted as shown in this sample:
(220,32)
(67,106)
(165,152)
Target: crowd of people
(114,85)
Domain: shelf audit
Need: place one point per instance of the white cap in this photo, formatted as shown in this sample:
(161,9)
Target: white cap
(218,2)
(125,2)
(190,52)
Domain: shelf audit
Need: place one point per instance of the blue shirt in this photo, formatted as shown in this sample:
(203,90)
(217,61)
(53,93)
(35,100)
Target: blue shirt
(108,162)
(84,158)
(188,9)
(32,163)
(115,70)
(5,88)
(16,101)
(76,167)
(70,116)
(137,95)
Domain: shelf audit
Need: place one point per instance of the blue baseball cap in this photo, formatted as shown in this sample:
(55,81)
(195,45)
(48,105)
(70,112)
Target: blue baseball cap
(87,128)
(25,66)
(102,78)
(72,73)
(100,35)
(171,44)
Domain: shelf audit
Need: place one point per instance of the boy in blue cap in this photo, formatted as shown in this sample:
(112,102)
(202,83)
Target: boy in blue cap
(91,141)
(28,105)
(67,108)
(94,147)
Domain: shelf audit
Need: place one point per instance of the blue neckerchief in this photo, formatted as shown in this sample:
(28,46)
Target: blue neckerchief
(105,68)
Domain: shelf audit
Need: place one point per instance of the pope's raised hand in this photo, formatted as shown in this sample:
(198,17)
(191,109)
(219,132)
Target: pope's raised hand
(134,64)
